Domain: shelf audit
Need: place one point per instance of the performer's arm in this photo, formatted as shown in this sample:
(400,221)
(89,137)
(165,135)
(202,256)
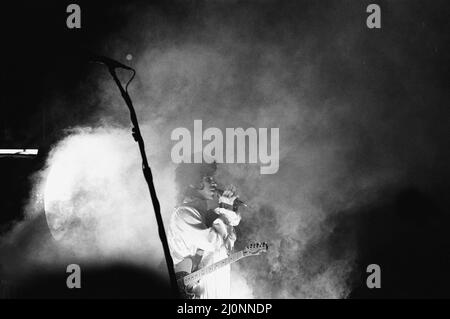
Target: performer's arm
(228,217)
(192,231)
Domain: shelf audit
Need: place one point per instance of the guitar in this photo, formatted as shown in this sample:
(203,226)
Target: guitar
(188,282)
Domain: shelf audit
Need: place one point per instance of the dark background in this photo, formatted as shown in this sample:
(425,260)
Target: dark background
(406,232)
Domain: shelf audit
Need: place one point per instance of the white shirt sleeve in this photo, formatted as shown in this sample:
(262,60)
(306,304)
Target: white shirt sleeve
(187,232)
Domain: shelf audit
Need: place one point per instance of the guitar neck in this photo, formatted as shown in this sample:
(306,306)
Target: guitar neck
(197,275)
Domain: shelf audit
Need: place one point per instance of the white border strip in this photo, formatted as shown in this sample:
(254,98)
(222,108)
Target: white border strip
(24,151)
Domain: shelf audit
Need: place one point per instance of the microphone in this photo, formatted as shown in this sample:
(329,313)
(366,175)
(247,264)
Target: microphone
(108,62)
(237,201)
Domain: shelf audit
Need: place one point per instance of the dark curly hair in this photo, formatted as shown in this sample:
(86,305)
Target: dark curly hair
(187,174)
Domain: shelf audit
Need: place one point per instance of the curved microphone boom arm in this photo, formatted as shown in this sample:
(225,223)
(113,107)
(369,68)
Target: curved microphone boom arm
(112,65)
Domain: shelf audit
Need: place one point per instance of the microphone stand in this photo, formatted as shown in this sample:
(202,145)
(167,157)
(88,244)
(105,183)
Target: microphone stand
(149,179)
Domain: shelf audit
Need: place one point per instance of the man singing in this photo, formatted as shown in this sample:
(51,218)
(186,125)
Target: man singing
(205,236)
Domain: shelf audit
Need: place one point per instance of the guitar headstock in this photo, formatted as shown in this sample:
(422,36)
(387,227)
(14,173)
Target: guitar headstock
(255,249)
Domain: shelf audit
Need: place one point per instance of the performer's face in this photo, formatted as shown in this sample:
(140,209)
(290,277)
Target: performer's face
(209,187)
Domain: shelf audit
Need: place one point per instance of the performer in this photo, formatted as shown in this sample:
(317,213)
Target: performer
(207,236)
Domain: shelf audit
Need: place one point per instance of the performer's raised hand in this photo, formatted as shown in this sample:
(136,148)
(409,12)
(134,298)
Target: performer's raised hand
(229,195)
(227,210)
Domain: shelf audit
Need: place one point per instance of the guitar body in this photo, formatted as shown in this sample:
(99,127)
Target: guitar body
(186,270)
(182,269)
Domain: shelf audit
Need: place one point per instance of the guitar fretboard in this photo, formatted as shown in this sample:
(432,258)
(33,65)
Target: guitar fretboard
(195,276)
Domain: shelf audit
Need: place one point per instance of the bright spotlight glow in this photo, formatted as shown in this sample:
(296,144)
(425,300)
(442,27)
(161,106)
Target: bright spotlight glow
(96,200)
